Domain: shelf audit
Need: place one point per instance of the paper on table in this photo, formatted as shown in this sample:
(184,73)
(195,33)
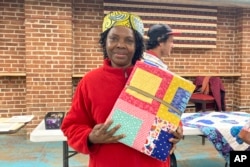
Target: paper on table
(5,127)
(20,118)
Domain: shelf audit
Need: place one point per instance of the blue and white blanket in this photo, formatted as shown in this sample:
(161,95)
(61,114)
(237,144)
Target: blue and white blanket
(221,128)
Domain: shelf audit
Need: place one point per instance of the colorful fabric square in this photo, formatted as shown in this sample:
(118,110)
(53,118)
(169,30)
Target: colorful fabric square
(152,87)
(166,77)
(130,126)
(157,144)
(145,74)
(170,117)
(178,94)
(145,81)
(146,118)
(180,100)
(162,146)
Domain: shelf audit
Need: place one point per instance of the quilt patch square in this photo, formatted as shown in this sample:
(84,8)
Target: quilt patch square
(146,121)
(162,146)
(168,116)
(180,100)
(147,82)
(130,126)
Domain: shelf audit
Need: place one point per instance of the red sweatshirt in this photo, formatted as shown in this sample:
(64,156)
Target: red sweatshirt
(93,100)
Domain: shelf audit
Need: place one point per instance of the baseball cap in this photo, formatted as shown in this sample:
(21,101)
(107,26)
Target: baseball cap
(160,30)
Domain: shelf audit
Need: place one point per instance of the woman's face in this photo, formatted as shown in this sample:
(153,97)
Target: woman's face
(120,46)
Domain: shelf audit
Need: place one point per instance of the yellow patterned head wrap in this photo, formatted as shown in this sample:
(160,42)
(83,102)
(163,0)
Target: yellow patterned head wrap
(118,18)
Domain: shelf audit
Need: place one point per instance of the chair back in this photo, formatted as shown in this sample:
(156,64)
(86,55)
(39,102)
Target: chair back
(209,88)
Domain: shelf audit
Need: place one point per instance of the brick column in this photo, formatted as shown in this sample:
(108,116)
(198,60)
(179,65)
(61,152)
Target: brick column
(12,59)
(48,38)
(242,40)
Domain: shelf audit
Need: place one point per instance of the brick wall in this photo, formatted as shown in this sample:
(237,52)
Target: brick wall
(12,58)
(51,41)
(222,59)
(242,40)
(12,96)
(87,22)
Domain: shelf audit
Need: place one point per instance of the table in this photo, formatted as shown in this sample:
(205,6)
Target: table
(13,127)
(40,134)
(14,124)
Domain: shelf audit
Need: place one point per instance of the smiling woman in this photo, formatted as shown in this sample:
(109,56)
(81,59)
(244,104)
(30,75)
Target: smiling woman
(86,126)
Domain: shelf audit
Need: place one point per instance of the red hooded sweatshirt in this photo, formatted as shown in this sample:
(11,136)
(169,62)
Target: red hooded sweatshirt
(93,101)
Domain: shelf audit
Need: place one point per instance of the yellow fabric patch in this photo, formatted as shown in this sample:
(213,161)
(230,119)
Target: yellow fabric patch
(164,114)
(170,93)
(147,82)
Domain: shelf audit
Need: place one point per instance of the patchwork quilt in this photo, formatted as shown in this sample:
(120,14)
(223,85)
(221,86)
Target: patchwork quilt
(222,129)
(149,107)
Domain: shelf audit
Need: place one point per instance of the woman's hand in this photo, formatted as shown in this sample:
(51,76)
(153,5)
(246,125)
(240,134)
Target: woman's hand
(178,135)
(101,134)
